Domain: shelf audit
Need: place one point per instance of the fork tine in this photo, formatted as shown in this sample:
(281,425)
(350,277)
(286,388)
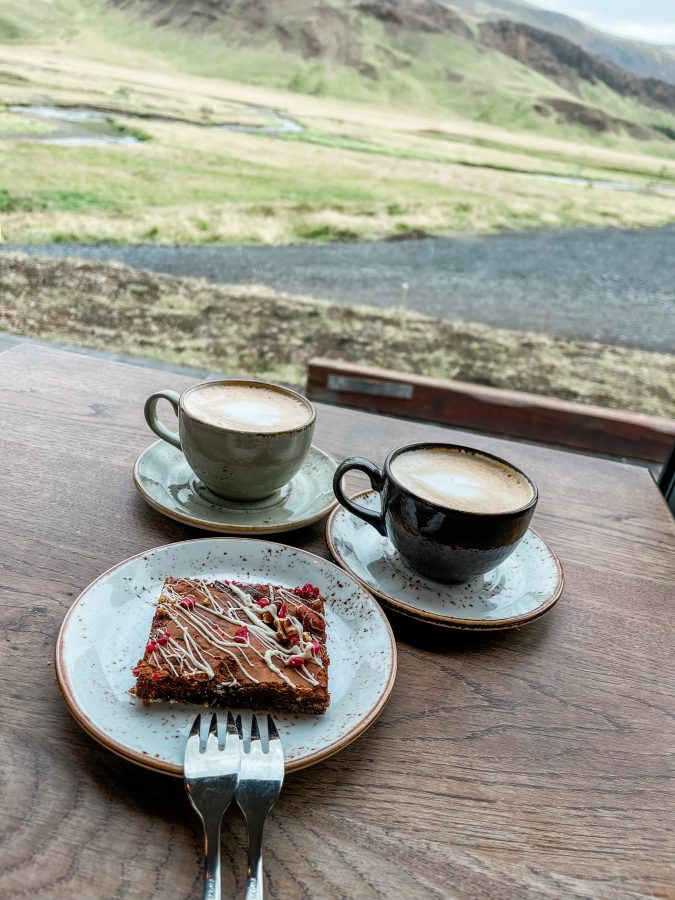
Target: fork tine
(272,732)
(255,733)
(193,743)
(212,738)
(231,731)
(196,726)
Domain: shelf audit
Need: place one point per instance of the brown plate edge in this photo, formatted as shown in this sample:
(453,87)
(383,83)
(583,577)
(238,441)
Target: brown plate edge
(167,768)
(419,615)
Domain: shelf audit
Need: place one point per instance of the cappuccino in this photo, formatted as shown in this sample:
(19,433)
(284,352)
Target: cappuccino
(247,407)
(461,480)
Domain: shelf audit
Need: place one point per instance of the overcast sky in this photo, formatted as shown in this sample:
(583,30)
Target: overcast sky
(648,20)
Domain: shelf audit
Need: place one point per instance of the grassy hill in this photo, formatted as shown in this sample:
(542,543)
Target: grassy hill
(406,52)
(410,119)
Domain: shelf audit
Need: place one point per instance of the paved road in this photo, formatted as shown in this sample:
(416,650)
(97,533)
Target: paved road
(610,285)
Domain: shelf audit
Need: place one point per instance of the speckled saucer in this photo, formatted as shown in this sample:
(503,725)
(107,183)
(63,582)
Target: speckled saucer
(522,588)
(164,478)
(105,630)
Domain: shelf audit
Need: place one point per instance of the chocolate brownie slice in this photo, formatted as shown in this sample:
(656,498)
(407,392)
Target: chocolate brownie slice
(226,643)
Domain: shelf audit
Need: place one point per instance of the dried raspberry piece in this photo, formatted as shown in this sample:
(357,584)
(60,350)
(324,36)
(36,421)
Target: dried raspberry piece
(296,661)
(163,639)
(316,648)
(188,602)
(283,611)
(136,671)
(155,676)
(307,591)
(151,647)
(241,635)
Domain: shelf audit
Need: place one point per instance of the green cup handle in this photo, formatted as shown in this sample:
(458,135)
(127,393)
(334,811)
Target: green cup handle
(151,415)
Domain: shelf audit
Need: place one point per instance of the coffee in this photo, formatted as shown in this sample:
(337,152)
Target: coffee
(457,479)
(452,513)
(249,407)
(242,439)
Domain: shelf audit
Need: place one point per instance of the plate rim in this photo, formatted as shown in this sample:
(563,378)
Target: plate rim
(158,765)
(420,615)
(232,530)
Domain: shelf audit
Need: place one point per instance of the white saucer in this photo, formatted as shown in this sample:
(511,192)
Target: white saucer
(525,586)
(164,478)
(106,628)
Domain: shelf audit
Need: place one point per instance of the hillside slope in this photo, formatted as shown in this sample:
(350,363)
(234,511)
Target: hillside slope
(424,51)
(649,60)
(567,64)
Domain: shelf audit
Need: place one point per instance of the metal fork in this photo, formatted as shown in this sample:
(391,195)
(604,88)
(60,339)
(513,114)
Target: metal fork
(210,781)
(260,779)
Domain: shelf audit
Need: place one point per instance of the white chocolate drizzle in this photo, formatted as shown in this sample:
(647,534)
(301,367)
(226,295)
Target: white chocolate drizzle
(268,636)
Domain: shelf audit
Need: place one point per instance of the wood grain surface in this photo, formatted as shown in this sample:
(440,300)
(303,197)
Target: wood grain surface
(530,763)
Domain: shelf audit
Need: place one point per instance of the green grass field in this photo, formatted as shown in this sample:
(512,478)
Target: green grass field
(414,151)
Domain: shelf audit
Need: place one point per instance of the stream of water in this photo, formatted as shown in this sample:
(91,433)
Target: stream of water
(82,126)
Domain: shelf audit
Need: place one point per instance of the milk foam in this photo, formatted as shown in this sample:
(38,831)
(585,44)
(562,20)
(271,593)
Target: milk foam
(246,408)
(461,480)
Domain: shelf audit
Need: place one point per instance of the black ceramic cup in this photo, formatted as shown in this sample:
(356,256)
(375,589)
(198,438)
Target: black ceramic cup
(437,541)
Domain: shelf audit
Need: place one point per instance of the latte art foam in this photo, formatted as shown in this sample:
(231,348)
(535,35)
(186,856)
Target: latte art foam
(460,480)
(240,407)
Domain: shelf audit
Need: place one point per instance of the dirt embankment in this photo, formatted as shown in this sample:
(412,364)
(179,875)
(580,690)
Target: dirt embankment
(253,330)
(594,119)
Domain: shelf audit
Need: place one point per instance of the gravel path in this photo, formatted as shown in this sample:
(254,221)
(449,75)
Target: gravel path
(608,285)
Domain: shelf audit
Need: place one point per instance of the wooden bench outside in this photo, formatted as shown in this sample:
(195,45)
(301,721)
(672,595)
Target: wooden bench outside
(491,410)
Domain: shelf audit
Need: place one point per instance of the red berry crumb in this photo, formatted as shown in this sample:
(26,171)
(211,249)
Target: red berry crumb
(307,592)
(136,671)
(296,661)
(241,635)
(163,638)
(155,676)
(188,602)
(151,646)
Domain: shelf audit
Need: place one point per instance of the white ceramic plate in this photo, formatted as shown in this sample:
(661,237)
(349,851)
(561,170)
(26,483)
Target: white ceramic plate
(525,586)
(106,629)
(166,481)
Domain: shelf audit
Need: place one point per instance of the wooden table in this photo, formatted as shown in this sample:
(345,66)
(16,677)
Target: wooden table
(529,763)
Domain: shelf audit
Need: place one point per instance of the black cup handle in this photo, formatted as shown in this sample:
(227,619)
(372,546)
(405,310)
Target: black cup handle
(376,477)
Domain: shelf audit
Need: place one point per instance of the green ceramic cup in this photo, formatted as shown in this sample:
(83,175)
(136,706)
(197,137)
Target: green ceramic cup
(245,461)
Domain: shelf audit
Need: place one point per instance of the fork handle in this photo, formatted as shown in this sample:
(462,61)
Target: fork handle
(212,857)
(254,874)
